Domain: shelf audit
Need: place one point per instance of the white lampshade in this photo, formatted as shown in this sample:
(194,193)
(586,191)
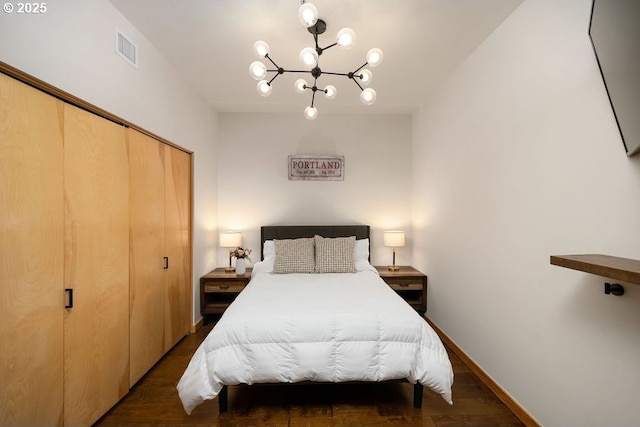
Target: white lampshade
(230,239)
(394,238)
(346,38)
(311,113)
(257,70)
(261,48)
(374,57)
(368,96)
(309,57)
(264,88)
(301,85)
(330,91)
(308,15)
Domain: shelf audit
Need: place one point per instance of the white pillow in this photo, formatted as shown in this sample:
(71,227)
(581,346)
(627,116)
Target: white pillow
(361,251)
(265,266)
(269,250)
(365,266)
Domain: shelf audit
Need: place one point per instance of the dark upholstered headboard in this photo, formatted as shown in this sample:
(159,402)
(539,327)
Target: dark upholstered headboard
(270,232)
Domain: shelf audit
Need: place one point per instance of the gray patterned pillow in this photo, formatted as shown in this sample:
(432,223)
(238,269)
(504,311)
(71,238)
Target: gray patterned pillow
(294,256)
(335,255)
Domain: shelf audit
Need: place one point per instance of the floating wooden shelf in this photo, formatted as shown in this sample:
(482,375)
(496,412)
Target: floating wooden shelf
(623,269)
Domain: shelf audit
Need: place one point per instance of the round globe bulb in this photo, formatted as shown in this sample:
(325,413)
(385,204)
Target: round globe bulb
(264,88)
(346,38)
(261,48)
(308,15)
(257,70)
(374,57)
(301,85)
(366,76)
(311,113)
(309,57)
(330,91)
(368,96)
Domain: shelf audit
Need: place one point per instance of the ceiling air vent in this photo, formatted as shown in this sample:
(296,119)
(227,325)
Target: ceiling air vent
(126,49)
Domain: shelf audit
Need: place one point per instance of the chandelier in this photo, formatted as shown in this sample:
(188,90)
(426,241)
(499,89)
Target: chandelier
(309,56)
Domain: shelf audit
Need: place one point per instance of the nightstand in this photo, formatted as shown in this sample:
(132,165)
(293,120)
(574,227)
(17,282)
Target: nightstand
(409,283)
(219,288)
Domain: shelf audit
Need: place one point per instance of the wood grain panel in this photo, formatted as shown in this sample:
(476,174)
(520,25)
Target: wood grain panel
(177,245)
(147,294)
(624,269)
(96,329)
(31,256)
(74,100)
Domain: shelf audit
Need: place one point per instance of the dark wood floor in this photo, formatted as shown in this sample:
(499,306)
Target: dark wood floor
(154,401)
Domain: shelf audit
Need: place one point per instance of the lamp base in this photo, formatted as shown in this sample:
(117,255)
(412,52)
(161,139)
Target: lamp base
(393,268)
(230,269)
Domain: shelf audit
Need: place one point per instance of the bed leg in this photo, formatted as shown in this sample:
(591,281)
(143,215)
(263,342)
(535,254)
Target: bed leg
(417,395)
(223,399)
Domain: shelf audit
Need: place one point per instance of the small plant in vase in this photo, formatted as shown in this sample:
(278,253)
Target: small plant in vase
(241,255)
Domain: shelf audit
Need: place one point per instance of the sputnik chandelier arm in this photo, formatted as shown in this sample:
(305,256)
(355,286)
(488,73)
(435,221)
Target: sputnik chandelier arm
(309,56)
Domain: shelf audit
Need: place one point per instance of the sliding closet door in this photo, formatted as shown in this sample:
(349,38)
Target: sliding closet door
(146,163)
(96,329)
(177,245)
(160,223)
(31,256)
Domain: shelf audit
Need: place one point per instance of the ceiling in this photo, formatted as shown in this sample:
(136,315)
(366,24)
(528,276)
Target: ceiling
(210,44)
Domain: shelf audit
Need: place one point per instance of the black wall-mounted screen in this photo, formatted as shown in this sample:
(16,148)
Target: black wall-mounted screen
(615,35)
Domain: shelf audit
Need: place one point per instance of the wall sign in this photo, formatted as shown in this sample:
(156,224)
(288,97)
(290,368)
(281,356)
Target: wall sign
(316,168)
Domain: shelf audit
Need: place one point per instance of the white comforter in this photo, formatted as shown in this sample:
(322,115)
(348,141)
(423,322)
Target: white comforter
(316,327)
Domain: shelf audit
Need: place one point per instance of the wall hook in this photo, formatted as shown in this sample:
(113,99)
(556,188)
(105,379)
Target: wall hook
(613,288)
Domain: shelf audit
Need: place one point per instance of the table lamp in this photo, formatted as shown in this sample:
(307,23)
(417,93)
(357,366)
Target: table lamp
(231,240)
(394,239)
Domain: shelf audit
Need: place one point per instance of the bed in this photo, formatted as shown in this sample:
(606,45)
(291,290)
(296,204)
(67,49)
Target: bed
(315,310)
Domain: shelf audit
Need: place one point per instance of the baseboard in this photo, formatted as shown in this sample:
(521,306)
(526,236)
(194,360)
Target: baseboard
(197,326)
(509,402)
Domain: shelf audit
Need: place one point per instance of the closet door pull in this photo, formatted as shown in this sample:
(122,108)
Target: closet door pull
(69,292)
(166,263)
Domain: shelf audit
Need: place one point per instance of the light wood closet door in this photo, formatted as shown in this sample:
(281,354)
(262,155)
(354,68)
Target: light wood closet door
(96,329)
(146,163)
(31,256)
(177,245)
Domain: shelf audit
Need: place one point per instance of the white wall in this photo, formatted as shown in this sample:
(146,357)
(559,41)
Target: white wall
(516,158)
(254,189)
(71,47)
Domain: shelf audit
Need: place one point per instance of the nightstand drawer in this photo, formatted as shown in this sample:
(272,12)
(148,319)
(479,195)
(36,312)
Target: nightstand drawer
(405,286)
(224,287)
(219,288)
(407,282)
